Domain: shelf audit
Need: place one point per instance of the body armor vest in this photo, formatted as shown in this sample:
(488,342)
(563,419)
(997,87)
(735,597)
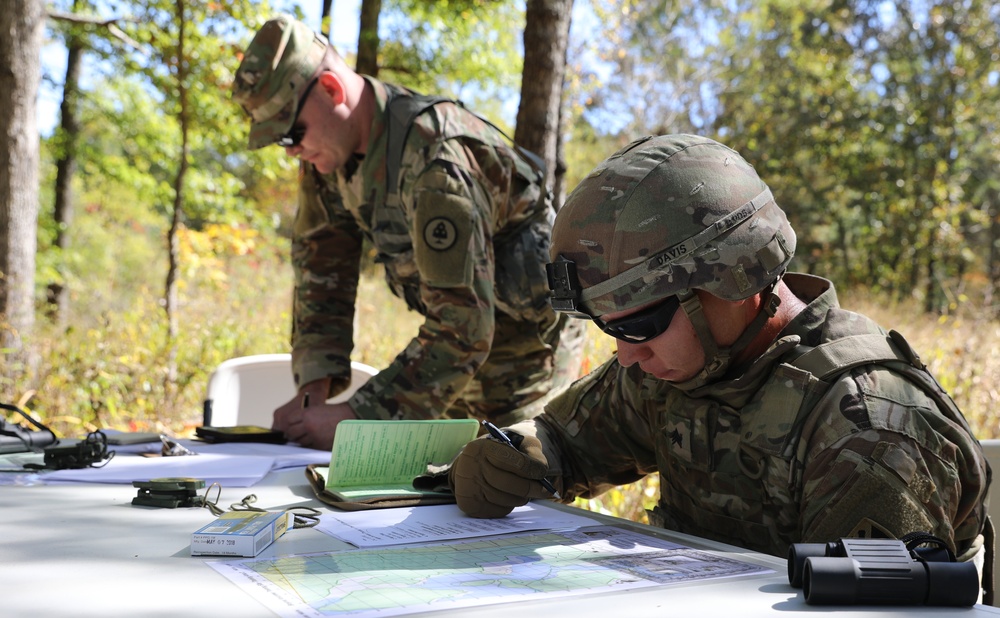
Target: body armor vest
(747,457)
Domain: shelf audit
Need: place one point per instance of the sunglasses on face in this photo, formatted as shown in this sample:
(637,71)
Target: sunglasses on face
(643,325)
(294,136)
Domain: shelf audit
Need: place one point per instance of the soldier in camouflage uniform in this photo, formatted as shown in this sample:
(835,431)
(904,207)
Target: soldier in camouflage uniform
(463,234)
(772,415)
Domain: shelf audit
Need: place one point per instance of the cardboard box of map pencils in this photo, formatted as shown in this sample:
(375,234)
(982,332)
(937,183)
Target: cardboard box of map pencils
(240,533)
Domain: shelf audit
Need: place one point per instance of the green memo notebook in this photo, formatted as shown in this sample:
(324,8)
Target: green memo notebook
(373,463)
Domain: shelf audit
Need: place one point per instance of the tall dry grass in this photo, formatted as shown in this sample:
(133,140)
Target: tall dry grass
(962,350)
(109,370)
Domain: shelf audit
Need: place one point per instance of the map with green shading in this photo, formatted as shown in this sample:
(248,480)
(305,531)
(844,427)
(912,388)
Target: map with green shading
(400,580)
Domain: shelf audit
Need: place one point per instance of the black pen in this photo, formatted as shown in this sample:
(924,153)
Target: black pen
(500,436)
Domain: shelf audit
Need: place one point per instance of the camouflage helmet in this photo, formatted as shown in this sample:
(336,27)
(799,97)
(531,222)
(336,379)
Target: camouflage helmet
(662,216)
(278,65)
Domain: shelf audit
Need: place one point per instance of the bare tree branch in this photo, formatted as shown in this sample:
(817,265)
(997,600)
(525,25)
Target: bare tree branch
(97,21)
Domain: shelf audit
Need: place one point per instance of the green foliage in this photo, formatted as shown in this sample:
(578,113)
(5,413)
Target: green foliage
(191,86)
(862,129)
(585,148)
(464,48)
(652,64)
(109,368)
(874,123)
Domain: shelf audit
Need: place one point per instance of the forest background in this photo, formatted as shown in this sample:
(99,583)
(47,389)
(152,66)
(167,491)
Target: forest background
(873,122)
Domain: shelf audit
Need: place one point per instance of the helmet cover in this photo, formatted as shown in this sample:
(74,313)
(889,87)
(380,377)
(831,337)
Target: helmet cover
(664,215)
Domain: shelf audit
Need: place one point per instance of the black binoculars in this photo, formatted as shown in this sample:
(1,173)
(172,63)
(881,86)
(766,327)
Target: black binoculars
(881,572)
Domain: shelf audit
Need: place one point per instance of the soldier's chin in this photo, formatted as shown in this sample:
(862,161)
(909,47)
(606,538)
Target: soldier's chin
(323,166)
(670,375)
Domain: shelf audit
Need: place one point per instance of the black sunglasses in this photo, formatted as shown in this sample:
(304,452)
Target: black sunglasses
(643,325)
(294,136)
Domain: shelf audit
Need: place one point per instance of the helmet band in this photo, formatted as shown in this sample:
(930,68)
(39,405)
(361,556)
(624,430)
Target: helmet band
(663,259)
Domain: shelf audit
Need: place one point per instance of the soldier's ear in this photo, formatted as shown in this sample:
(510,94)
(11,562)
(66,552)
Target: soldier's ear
(333,86)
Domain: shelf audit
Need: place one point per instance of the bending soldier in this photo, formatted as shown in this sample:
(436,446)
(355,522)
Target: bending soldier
(458,217)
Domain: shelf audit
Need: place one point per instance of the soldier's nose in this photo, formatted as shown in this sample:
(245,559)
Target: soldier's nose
(631,353)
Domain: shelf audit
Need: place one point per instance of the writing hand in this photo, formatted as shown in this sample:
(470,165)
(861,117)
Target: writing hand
(489,478)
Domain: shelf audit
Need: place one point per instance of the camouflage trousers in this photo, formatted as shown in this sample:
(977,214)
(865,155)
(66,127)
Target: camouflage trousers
(528,364)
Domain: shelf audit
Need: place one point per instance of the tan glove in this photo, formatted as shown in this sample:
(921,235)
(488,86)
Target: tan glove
(489,478)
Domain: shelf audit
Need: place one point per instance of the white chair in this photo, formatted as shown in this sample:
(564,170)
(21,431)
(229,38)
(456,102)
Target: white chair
(247,389)
(991,448)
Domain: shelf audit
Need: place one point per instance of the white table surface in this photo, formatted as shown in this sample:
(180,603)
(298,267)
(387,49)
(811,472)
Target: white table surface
(84,550)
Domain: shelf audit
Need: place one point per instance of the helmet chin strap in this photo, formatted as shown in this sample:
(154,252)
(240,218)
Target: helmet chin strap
(718,359)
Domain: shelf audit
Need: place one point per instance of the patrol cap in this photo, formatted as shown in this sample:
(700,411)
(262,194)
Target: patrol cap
(277,66)
(664,215)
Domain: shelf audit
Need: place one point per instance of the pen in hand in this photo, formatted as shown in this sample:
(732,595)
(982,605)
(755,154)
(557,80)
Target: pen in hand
(500,436)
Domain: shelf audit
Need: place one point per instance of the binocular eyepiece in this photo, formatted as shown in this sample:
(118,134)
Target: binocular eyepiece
(881,572)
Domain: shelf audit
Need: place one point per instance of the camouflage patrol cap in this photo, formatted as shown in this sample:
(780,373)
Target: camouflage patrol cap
(279,63)
(663,215)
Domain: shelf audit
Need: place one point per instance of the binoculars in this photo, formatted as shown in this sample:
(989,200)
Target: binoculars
(881,572)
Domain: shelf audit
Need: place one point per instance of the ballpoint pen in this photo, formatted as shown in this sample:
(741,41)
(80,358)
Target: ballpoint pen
(500,436)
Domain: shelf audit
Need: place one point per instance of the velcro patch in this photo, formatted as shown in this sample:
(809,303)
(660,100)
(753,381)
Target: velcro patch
(869,529)
(873,501)
(443,227)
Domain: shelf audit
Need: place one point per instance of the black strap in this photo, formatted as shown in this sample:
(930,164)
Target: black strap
(403,108)
(30,439)
(989,543)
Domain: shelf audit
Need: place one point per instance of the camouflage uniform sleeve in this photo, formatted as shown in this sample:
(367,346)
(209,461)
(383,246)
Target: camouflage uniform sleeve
(596,434)
(880,460)
(326,252)
(452,249)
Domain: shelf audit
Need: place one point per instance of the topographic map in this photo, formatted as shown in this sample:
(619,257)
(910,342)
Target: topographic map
(400,580)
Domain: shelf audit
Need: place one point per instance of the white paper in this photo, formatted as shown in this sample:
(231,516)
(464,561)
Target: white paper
(231,464)
(284,455)
(424,524)
(226,470)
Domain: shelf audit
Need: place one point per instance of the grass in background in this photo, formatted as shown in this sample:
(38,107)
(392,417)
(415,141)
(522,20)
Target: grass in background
(962,350)
(109,369)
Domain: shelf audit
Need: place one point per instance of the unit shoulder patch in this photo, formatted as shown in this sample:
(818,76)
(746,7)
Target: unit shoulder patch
(440,233)
(443,227)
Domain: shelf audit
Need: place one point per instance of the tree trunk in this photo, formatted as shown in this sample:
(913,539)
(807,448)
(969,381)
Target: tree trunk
(69,130)
(844,250)
(326,19)
(934,301)
(994,255)
(368,41)
(559,179)
(546,36)
(21,27)
(173,258)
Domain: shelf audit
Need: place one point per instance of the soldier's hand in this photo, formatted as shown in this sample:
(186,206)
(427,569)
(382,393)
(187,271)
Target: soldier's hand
(310,394)
(308,420)
(489,478)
